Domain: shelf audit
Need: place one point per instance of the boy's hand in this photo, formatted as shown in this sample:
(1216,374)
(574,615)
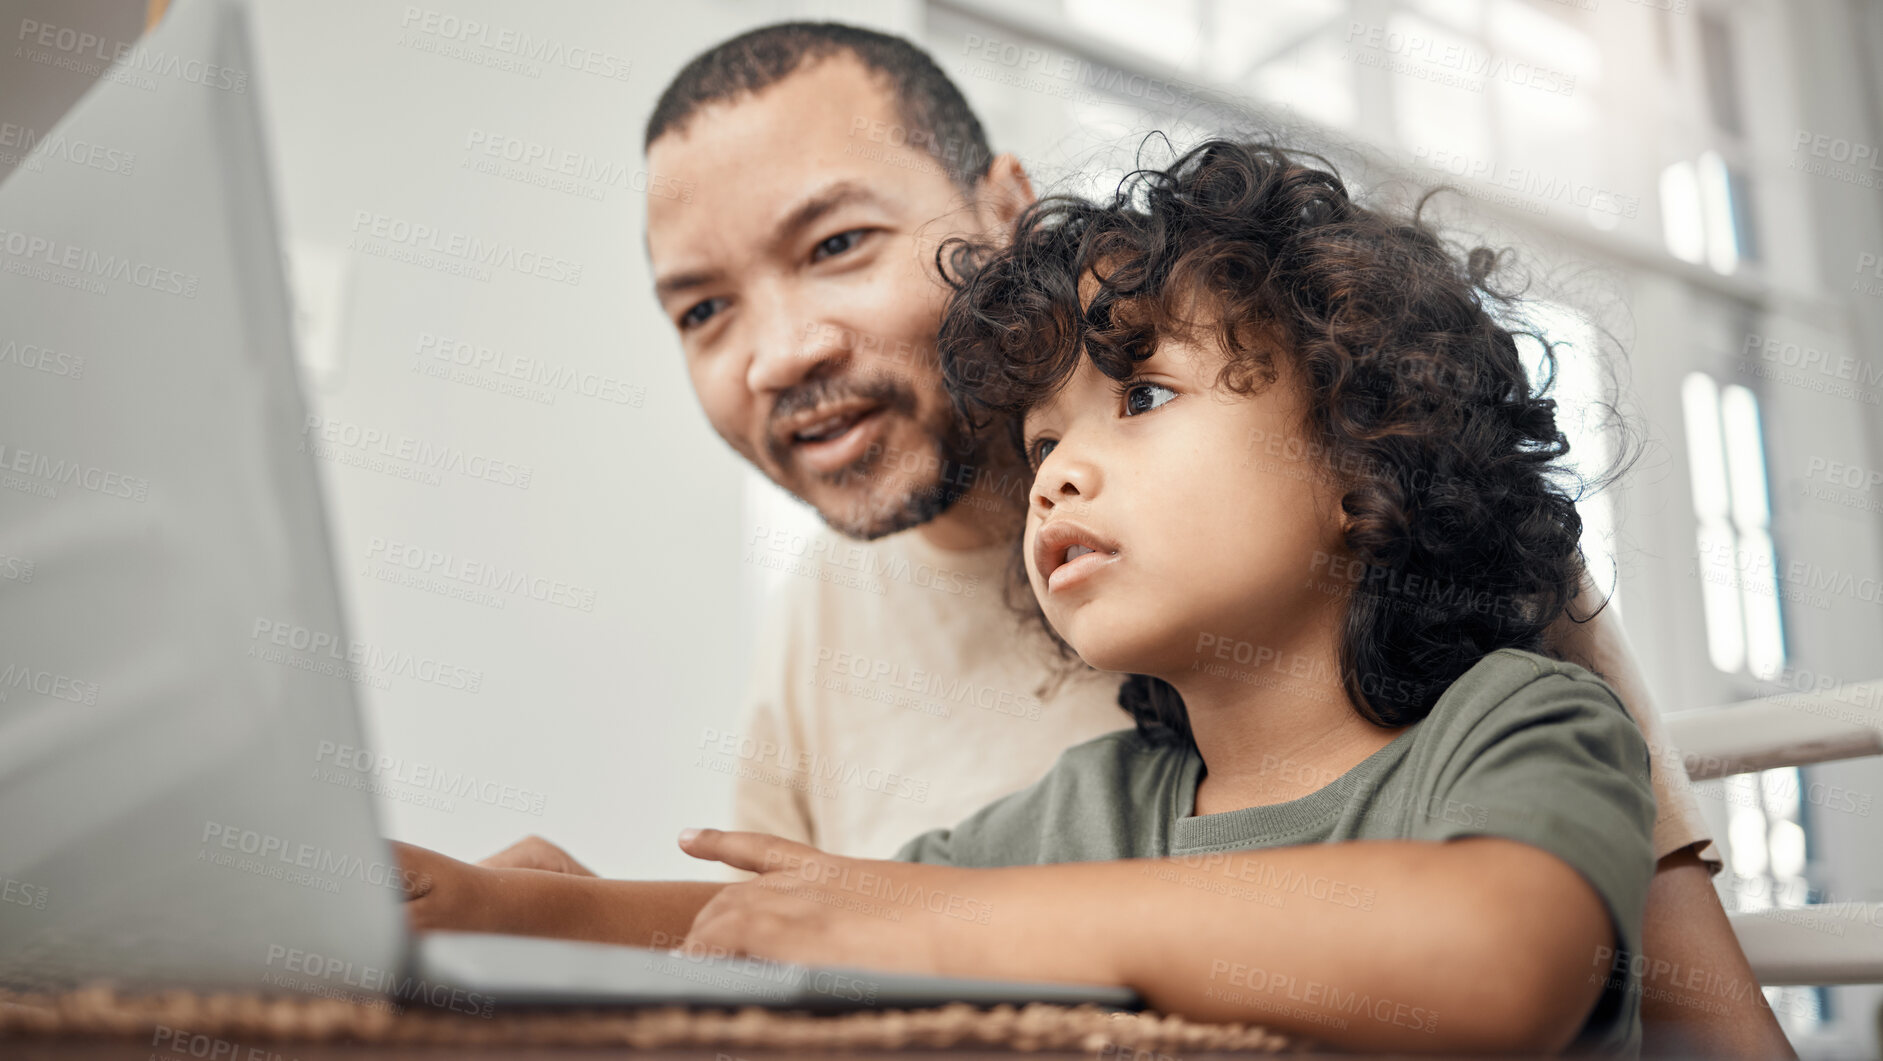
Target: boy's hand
(810,907)
(534,852)
(443,893)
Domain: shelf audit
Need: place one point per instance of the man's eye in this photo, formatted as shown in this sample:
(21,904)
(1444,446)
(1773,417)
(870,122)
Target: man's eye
(699,313)
(1143,397)
(837,244)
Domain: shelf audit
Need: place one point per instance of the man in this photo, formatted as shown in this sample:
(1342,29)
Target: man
(895,690)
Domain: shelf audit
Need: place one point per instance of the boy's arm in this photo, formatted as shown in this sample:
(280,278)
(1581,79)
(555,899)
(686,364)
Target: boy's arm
(1479,943)
(1684,927)
(448,895)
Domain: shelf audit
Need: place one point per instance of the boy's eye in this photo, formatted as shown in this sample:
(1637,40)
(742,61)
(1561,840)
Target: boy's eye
(1143,397)
(1041,448)
(699,313)
(836,244)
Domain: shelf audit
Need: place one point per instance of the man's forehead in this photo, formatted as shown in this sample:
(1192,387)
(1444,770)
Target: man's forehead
(805,120)
(754,161)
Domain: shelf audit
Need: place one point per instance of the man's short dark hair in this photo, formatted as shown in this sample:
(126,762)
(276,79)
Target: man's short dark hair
(929,107)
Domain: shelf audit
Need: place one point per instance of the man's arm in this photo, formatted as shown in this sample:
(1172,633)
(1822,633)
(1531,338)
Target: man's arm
(1479,944)
(1685,926)
(445,894)
(1600,645)
(534,852)
(1699,997)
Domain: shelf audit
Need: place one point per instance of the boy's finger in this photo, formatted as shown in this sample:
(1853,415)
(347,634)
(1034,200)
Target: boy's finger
(755,852)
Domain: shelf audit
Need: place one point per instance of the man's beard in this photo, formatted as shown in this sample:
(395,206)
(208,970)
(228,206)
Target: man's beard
(957,460)
(955,456)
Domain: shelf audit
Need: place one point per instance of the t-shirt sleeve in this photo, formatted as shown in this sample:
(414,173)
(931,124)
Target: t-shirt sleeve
(933,847)
(1101,800)
(762,799)
(1003,833)
(1559,764)
(1678,824)
(768,794)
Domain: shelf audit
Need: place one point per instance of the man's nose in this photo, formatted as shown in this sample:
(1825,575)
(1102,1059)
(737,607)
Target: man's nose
(788,345)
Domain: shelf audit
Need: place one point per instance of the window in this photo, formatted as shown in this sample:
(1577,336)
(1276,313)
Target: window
(1706,213)
(1735,559)
(1739,585)
(1584,416)
(1706,201)
(1767,870)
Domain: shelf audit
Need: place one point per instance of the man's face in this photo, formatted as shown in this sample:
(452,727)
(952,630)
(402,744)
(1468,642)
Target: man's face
(801,278)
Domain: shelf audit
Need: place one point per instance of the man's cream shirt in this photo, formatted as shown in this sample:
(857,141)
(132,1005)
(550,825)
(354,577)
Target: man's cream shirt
(893,690)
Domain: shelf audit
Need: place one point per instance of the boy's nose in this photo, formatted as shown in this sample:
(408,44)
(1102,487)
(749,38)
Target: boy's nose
(1064,480)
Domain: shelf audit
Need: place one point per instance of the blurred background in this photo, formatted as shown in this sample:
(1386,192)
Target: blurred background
(1696,184)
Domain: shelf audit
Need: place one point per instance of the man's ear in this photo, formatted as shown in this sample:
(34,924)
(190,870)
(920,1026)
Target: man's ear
(1004,191)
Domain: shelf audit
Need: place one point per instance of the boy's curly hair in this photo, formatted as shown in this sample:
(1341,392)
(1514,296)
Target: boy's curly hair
(1420,407)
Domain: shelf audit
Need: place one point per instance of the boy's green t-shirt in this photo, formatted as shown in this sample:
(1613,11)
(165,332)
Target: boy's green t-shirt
(1521,746)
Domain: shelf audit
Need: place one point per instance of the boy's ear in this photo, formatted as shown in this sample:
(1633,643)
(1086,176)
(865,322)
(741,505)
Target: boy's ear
(1004,191)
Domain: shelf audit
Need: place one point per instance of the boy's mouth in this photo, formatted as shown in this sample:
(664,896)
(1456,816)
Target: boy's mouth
(1066,552)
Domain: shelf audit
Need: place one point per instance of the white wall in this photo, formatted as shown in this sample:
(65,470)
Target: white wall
(637,505)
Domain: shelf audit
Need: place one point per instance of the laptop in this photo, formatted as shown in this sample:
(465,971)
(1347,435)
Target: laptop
(176,670)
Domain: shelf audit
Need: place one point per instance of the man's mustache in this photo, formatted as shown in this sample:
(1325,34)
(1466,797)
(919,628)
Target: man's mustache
(888,392)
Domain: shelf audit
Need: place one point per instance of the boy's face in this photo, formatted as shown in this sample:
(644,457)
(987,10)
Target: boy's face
(1198,528)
